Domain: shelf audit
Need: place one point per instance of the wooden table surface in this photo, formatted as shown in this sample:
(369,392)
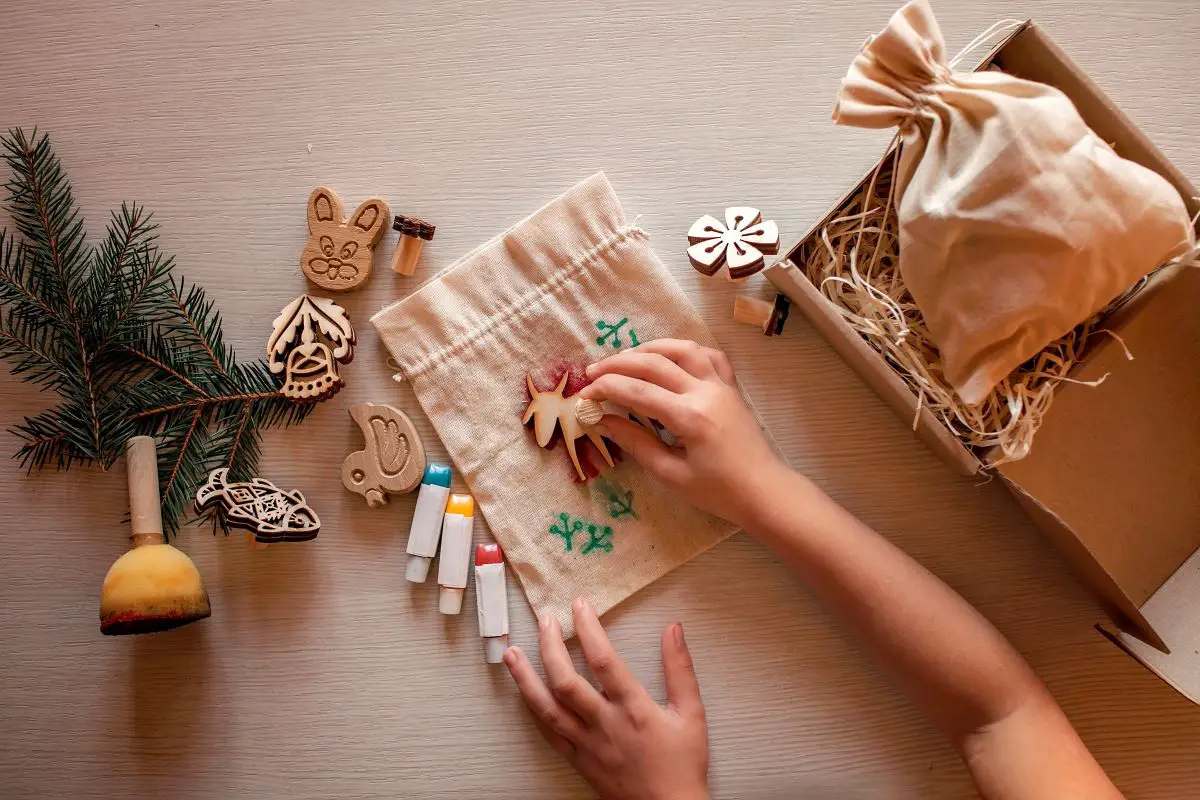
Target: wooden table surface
(320,673)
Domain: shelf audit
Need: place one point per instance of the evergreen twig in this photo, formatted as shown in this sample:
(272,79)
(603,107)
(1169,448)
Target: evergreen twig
(129,347)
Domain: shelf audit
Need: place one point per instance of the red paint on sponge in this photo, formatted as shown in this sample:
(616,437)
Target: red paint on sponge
(488,554)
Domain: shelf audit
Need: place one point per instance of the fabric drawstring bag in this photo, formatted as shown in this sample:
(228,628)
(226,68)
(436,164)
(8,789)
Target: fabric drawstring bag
(1017,222)
(563,288)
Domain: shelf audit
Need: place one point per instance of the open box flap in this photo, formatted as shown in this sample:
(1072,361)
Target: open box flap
(1172,610)
(1118,465)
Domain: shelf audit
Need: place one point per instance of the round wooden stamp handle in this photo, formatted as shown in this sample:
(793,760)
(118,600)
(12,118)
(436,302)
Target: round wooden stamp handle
(145,511)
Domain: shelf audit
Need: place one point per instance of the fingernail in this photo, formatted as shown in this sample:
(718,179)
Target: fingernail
(679,634)
(543,624)
(589,370)
(511,656)
(580,605)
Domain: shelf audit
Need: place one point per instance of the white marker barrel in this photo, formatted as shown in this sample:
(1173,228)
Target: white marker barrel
(427,521)
(491,597)
(455,561)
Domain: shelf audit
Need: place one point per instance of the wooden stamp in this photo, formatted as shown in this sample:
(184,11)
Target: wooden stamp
(153,586)
(337,255)
(270,513)
(413,235)
(309,337)
(768,316)
(550,409)
(588,412)
(738,244)
(393,460)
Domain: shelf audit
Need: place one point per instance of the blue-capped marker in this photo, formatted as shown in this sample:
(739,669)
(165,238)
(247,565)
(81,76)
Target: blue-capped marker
(427,521)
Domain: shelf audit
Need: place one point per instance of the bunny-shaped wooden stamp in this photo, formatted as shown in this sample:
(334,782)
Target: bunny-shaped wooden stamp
(337,255)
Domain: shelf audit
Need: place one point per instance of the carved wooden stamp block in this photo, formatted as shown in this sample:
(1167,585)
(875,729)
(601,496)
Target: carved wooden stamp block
(270,513)
(393,460)
(337,255)
(309,337)
(738,243)
(549,410)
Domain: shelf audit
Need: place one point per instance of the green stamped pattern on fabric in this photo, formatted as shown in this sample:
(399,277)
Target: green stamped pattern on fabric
(610,333)
(619,499)
(599,536)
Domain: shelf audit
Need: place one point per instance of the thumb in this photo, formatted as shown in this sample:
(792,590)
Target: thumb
(645,448)
(683,690)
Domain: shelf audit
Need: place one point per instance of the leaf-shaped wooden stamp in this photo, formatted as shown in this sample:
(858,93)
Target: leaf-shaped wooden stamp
(337,255)
(393,460)
(308,339)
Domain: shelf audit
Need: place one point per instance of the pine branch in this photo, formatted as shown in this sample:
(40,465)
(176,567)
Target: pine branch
(41,204)
(129,347)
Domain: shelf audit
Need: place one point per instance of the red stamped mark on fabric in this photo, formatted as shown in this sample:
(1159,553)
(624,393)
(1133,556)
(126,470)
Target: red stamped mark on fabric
(547,378)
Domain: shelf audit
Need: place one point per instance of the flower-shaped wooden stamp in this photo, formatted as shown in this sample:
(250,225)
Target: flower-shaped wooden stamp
(739,243)
(309,337)
(549,410)
(337,255)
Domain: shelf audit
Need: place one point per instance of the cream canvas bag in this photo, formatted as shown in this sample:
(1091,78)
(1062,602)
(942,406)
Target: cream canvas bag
(567,286)
(1017,222)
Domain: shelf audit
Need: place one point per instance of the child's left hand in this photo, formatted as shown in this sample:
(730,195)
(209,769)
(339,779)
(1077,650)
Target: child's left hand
(621,741)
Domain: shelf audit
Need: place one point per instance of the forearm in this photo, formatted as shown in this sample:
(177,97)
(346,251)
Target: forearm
(954,664)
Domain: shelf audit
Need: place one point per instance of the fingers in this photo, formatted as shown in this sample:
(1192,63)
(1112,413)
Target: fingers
(550,715)
(699,361)
(645,448)
(616,679)
(683,690)
(560,744)
(567,685)
(642,396)
(647,366)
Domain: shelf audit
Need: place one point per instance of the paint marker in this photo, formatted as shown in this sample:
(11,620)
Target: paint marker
(491,595)
(456,552)
(427,521)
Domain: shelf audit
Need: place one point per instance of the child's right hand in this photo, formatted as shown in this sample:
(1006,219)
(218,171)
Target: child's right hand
(723,463)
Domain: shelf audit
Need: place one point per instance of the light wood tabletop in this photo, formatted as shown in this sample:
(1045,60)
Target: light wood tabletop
(321,673)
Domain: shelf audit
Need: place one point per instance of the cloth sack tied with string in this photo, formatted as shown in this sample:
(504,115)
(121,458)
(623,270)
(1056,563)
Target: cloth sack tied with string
(567,286)
(1017,222)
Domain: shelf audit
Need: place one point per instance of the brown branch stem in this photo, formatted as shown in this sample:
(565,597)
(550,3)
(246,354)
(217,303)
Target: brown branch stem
(182,454)
(177,375)
(202,403)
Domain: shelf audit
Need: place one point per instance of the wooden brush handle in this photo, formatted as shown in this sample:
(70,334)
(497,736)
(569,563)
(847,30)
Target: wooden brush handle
(145,511)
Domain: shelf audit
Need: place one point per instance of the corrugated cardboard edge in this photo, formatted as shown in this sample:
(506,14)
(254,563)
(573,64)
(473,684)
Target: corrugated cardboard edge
(1115,636)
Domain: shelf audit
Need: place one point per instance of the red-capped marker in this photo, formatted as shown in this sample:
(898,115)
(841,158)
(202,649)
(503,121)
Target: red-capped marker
(491,597)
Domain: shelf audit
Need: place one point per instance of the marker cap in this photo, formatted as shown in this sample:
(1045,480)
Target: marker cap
(417,569)
(450,599)
(494,648)
(436,474)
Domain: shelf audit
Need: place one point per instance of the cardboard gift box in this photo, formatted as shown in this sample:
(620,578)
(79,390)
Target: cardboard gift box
(1113,476)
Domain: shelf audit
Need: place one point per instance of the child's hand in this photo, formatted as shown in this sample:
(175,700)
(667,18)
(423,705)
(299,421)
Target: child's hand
(723,461)
(623,743)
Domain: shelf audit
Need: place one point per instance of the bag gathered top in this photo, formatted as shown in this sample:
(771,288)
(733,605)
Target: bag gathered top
(1017,222)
